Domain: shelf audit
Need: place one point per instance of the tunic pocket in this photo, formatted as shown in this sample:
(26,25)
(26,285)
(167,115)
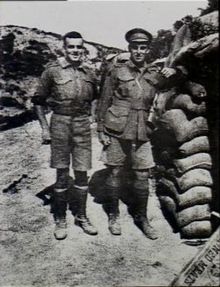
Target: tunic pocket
(63,88)
(125,84)
(87,90)
(116,118)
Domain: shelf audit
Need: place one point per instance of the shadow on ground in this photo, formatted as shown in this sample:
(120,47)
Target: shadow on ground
(97,190)
(47,196)
(99,193)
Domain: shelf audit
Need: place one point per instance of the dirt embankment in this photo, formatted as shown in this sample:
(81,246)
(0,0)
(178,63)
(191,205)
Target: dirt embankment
(30,255)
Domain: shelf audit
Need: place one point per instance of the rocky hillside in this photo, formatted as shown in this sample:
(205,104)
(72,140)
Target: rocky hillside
(24,52)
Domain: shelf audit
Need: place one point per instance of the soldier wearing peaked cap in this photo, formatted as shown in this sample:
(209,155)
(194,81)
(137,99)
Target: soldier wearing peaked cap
(138,35)
(68,87)
(125,128)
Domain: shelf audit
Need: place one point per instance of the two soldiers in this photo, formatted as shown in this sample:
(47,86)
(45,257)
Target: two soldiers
(124,127)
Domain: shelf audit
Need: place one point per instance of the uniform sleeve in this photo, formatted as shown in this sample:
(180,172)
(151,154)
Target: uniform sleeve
(95,82)
(105,99)
(93,78)
(43,89)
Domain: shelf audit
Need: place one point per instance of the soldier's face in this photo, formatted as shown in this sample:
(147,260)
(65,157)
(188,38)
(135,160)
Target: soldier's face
(74,49)
(138,52)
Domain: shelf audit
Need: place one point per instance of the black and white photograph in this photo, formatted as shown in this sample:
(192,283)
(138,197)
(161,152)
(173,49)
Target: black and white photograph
(109,143)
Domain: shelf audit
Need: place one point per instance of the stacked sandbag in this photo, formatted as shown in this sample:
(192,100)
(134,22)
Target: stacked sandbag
(185,183)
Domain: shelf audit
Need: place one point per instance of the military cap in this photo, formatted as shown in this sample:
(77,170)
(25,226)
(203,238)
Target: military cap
(138,35)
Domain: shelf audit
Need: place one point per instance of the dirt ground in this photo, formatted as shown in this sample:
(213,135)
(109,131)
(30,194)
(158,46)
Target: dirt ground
(30,255)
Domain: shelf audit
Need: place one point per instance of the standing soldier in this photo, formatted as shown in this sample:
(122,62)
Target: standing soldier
(68,87)
(124,126)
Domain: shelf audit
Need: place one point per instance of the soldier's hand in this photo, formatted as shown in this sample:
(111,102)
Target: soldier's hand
(46,136)
(168,72)
(104,138)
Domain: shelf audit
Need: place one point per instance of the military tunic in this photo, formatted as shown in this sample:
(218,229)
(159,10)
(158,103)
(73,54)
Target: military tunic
(126,100)
(69,92)
(124,110)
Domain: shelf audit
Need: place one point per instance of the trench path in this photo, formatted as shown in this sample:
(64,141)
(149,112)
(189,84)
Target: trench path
(30,255)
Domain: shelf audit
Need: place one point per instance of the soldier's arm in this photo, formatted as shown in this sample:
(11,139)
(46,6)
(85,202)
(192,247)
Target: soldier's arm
(105,99)
(39,101)
(152,114)
(104,102)
(96,84)
(44,124)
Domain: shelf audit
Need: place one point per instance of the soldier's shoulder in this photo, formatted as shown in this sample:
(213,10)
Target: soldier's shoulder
(122,69)
(116,69)
(88,68)
(52,68)
(119,67)
(90,71)
(51,65)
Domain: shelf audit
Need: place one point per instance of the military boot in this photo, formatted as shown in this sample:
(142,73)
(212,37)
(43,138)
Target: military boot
(144,225)
(81,219)
(114,224)
(60,206)
(140,216)
(112,209)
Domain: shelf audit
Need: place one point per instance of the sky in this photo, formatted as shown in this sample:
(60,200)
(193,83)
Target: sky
(104,22)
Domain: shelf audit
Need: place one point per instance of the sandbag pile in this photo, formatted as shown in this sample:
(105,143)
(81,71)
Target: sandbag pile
(182,151)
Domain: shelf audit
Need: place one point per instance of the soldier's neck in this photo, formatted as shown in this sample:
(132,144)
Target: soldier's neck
(76,64)
(141,67)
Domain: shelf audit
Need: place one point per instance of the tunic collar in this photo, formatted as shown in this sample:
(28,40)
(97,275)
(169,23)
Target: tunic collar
(134,67)
(66,64)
